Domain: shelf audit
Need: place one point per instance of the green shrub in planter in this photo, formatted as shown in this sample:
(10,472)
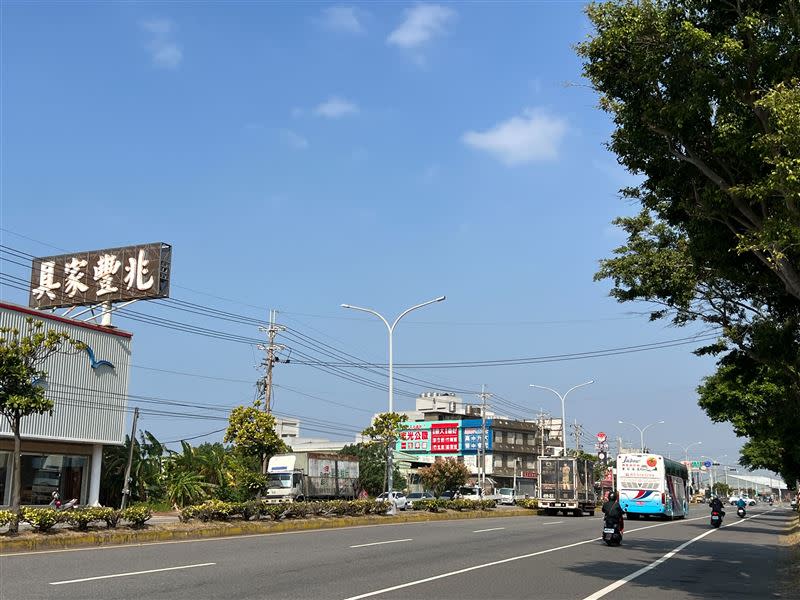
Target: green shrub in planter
(42,519)
(248,510)
(529,503)
(487,504)
(432,505)
(317,509)
(297,510)
(80,518)
(110,515)
(7,517)
(275,511)
(214,510)
(187,513)
(137,516)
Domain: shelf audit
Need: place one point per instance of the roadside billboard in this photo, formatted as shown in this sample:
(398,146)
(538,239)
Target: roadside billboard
(111,275)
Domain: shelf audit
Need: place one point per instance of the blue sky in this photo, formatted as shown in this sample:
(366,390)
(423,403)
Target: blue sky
(302,155)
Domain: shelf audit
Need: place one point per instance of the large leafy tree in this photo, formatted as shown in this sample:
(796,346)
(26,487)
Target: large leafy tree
(252,431)
(706,105)
(372,467)
(382,433)
(22,370)
(444,474)
(147,470)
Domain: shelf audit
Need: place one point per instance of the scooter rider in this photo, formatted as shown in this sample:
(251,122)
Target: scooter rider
(613,511)
(716,505)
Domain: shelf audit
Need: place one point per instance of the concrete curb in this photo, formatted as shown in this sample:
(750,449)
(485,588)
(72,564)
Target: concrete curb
(161,533)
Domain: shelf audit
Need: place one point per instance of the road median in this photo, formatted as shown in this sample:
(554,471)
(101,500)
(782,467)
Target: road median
(164,532)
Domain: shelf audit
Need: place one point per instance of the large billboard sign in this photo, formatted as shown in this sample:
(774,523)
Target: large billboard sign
(414,438)
(110,275)
(471,436)
(445,437)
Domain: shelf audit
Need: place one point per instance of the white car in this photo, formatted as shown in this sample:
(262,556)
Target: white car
(748,501)
(399,499)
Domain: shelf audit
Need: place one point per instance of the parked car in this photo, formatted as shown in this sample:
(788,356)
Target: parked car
(399,499)
(506,496)
(449,495)
(416,497)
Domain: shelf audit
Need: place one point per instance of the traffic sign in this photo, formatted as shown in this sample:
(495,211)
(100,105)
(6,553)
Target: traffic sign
(707,464)
(601,437)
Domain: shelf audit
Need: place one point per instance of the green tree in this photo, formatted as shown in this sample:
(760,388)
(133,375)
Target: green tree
(722,489)
(22,361)
(252,431)
(383,432)
(147,470)
(184,487)
(706,105)
(372,468)
(445,474)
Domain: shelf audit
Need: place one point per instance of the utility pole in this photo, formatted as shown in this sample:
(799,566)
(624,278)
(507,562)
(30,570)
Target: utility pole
(126,488)
(271,349)
(577,430)
(482,446)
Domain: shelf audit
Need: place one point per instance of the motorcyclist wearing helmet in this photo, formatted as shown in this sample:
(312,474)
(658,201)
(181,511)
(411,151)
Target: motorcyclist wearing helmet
(613,511)
(716,505)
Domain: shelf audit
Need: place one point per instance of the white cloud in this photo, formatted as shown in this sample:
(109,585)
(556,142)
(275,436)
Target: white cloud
(164,51)
(344,19)
(336,107)
(531,137)
(421,24)
(295,140)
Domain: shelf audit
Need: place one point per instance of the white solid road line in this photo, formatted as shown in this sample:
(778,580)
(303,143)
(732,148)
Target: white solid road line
(552,523)
(618,584)
(379,543)
(490,529)
(503,561)
(131,573)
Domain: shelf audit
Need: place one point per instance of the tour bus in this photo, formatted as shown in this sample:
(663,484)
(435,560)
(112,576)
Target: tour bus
(649,484)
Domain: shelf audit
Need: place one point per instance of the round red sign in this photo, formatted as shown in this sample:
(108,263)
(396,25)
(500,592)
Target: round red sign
(601,437)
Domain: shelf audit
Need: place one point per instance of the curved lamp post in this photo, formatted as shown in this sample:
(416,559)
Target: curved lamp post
(389,475)
(641,430)
(563,411)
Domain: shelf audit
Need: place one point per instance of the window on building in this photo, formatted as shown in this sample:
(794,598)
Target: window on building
(498,461)
(43,474)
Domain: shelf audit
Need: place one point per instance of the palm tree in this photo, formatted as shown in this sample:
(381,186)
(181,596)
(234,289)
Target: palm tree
(184,487)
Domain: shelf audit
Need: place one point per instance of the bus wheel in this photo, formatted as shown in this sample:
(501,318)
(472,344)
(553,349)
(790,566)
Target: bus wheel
(633,516)
(577,512)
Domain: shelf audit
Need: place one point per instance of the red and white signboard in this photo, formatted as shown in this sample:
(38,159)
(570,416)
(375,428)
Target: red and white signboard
(601,437)
(444,438)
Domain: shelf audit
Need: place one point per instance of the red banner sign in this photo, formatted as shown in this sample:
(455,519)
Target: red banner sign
(444,438)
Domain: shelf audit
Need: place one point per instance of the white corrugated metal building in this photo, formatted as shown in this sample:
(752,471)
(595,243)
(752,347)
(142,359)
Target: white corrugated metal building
(63,451)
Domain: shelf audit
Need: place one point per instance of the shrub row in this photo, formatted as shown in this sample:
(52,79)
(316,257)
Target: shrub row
(460,505)
(44,519)
(528,503)
(217,510)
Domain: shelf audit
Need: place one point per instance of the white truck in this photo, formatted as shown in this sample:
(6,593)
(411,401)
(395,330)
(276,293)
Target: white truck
(311,476)
(566,484)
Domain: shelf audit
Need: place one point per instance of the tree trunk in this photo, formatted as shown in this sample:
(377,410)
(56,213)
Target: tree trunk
(16,475)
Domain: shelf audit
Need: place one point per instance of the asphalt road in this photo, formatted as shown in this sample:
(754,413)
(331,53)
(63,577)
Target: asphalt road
(497,558)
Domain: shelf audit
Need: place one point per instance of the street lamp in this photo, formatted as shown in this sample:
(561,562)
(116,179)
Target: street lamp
(563,412)
(389,475)
(685,448)
(641,431)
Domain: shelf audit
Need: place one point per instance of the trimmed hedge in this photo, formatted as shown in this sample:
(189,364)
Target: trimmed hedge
(530,503)
(7,517)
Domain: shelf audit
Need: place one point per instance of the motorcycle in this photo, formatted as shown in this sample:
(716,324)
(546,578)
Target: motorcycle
(716,518)
(612,535)
(741,512)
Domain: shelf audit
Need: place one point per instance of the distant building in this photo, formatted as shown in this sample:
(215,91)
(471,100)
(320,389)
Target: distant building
(443,425)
